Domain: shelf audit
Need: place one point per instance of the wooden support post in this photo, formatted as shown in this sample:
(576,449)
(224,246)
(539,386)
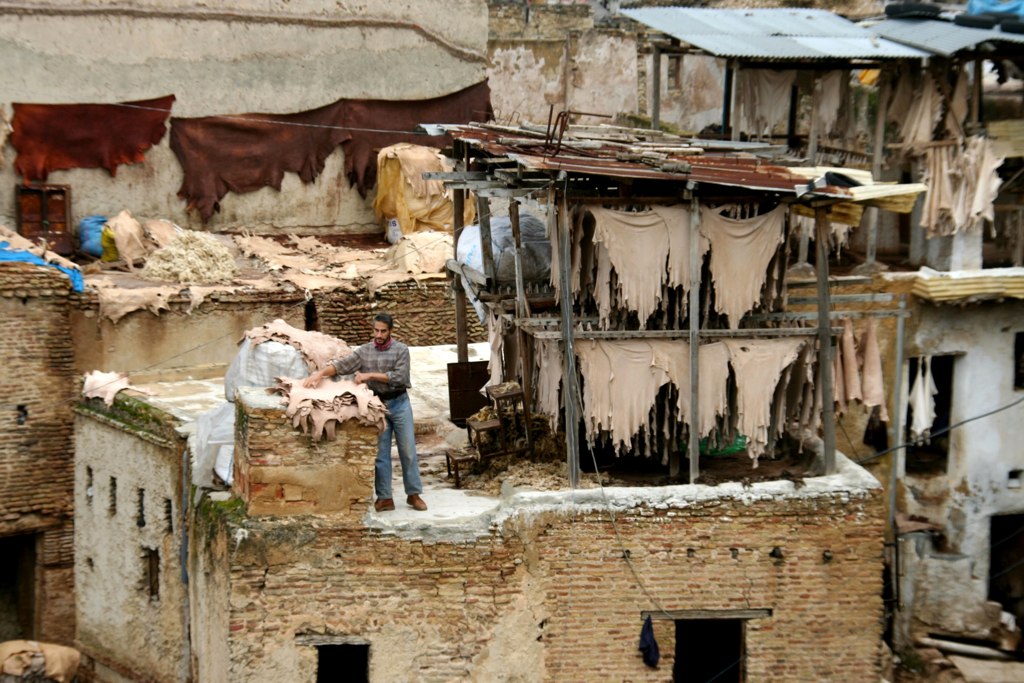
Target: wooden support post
(461,328)
(1018,247)
(558,209)
(694,315)
(734,130)
(727,101)
(483,210)
(828,409)
(656,89)
(878,150)
(522,311)
(812,137)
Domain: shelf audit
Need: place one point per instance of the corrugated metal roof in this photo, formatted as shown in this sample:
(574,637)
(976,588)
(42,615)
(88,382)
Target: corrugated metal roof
(783,34)
(940,37)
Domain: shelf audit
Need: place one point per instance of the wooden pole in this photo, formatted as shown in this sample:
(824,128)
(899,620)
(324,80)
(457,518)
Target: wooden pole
(694,315)
(522,311)
(656,89)
(877,152)
(483,209)
(461,328)
(558,210)
(828,411)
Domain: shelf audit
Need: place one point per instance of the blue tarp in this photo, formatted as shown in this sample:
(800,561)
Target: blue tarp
(984,6)
(8,254)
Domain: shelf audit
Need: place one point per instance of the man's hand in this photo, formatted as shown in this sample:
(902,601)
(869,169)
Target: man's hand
(313,381)
(363,377)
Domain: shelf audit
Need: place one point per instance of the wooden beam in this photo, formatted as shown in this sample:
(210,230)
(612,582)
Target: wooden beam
(483,212)
(558,220)
(522,311)
(461,327)
(694,315)
(828,416)
(676,614)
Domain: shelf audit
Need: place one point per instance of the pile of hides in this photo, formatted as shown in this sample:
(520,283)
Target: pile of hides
(14,247)
(420,252)
(319,411)
(192,258)
(628,261)
(246,152)
(126,239)
(30,660)
(405,196)
(54,137)
(317,349)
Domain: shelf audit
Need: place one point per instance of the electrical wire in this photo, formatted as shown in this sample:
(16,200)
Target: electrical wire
(943,430)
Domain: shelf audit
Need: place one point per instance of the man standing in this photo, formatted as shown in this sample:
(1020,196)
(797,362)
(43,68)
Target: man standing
(383,365)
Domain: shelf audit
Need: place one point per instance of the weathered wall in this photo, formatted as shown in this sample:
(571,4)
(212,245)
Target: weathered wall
(423,310)
(176,338)
(36,439)
(232,57)
(949,589)
(123,453)
(520,595)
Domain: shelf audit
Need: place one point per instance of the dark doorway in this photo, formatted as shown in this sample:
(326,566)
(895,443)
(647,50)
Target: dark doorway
(1006,564)
(348,663)
(709,650)
(17,587)
(931,456)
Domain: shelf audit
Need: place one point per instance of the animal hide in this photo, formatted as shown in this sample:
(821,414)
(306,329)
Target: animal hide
(55,137)
(221,154)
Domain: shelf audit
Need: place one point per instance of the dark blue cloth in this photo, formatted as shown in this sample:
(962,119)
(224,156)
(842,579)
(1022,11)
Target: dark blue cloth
(8,254)
(648,645)
(90,234)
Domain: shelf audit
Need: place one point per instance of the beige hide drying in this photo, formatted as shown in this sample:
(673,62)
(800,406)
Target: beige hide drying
(105,385)
(161,231)
(741,251)
(317,349)
(318,411)
(32,660)
(548,377)
(129,238)
(758,364)
(620,384)
(420,252)
(16,241)
(762,99)
(873,383)
(851,371)
(713,379)
(402,192)
(117,302)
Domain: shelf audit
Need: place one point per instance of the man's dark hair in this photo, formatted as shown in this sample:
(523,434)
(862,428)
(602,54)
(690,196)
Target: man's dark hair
(386,319)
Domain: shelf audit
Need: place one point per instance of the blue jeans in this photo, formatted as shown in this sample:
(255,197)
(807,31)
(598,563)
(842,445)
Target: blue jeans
(400,423)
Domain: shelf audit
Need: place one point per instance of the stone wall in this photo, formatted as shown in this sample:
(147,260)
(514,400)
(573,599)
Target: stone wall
(540,590)
(37,387)
(131,600)
(423,310)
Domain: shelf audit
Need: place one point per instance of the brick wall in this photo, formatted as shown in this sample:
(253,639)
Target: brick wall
(36,455)
(541,591)
(424,313)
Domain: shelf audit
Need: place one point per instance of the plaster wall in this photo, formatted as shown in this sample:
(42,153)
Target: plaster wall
(234,57)
(176,338)
(951,588)
(692,102)
(119,623)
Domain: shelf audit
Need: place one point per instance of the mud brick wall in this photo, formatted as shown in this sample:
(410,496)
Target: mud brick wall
(424,313)
(547,591)
(281,471)
(36,453)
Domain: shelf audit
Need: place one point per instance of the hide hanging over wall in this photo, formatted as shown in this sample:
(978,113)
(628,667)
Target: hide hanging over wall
(242,153)
(56,137)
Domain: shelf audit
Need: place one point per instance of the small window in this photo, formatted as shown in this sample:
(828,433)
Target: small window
(343,663)
(674,77)
(151,572)
(168,515)
(88,485)
(140,515)
(930,455)
(112,505)
(1018,361)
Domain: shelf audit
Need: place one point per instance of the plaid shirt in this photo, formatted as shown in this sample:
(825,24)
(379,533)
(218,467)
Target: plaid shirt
(366,358)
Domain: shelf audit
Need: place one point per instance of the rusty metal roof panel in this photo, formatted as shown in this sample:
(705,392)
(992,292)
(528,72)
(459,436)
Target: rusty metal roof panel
(941,37)
(783,34)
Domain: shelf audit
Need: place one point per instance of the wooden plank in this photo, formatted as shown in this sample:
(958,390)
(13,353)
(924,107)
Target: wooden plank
(694,315)
(483,211)
(461,326)
(682,334)
(828,417)
(557,220)
(676,614)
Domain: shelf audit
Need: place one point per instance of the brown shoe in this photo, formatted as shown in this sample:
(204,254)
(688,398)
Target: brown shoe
(416,502)
(384,504)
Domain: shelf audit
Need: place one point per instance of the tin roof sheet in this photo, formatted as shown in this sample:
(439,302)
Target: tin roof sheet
(942,37)
(782,34)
